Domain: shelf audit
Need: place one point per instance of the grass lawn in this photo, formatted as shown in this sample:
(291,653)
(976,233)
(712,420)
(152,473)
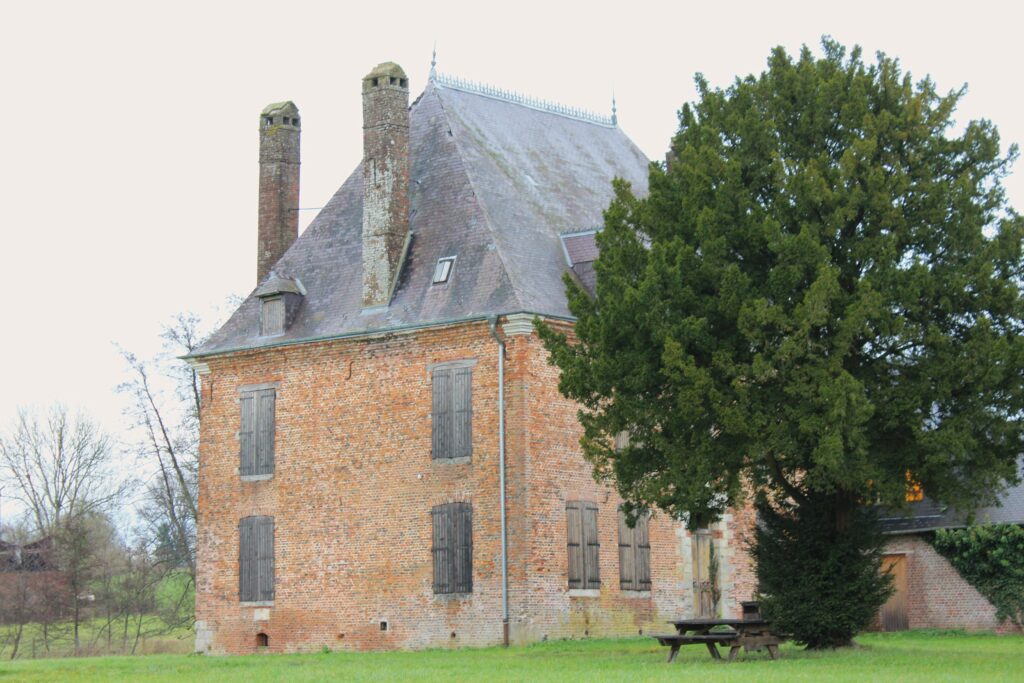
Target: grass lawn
(155,637)
(911,656)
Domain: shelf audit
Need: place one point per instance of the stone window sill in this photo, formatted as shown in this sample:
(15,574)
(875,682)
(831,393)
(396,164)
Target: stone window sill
(257,603)
(450,597)
(465,460)
(636,594)
(584,592)
(257,477)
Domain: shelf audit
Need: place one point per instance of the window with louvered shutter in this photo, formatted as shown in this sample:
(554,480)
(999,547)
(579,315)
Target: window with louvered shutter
(583,545)
(462,412)
(247,434)
(452,548)
(256,435)
(452,413)
(256,559)
(634,554)
(272,316)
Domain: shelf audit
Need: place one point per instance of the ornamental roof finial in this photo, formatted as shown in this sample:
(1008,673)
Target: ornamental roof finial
(615,116)
(433,63)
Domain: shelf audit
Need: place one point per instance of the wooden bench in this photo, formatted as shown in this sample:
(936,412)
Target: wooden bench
(712,640)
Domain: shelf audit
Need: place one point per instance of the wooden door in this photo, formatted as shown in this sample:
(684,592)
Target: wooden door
(703,598)
(894,611)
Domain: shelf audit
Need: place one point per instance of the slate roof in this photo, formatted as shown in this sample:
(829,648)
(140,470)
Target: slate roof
(927,515)
(494,182)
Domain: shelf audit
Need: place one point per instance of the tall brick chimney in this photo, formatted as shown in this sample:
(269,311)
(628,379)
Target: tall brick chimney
(279,184)
(385,180)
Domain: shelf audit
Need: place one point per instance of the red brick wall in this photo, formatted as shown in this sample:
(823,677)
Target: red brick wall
(547,439)
(937,596)
(738,571)
(352,491)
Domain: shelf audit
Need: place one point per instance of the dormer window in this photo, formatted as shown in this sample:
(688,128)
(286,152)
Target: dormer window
(280,299)
(272,316)
(443,270)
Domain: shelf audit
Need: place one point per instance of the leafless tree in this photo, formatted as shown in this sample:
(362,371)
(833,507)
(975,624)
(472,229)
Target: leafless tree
(165,404)
(61,464)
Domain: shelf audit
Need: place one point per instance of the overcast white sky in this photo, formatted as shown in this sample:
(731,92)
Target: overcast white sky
(128,167)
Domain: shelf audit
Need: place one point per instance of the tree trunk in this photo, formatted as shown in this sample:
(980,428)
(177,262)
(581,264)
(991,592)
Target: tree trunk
(17,640)
(138,632)
(77,614)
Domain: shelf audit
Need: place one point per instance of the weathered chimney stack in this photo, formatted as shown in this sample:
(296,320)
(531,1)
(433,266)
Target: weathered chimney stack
(279,184)
(385,180)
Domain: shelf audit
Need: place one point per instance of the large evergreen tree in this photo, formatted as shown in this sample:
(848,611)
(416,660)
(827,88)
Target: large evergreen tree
(819,296)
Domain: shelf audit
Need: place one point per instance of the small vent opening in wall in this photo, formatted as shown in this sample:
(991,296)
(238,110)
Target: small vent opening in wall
(384,626)
(262,640)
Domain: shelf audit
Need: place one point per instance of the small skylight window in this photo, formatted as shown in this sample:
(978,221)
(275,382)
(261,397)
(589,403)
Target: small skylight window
(444,269)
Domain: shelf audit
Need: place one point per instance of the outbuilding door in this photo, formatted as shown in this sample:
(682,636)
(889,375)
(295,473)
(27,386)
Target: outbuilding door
(703,590)
(894,612)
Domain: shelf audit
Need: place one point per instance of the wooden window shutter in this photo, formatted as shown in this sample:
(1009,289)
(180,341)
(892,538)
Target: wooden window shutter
(574,534)
(256,559)
(442,413)
(256,435)
(462,412)
(272,316)
(265,431)
(634,554)
(627,554)
(265,558)
(642,541)
(591,564)
(246,556)
(247,434)
(441,548)
(452,548)
(463,556)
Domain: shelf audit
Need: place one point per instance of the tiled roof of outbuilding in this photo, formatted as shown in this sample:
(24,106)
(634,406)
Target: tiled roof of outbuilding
(493,181)
(927,515)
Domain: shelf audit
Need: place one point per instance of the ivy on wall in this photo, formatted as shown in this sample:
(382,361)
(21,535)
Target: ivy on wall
(990,558)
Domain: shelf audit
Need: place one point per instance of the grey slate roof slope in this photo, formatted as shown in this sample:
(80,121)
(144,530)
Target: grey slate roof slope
(927,515)
(493,182)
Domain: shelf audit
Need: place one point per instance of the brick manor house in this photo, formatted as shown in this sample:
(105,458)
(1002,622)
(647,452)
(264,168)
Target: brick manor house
(386,461)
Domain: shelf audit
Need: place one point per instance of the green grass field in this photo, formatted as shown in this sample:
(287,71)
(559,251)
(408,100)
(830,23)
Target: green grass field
(155,637)
(913,656)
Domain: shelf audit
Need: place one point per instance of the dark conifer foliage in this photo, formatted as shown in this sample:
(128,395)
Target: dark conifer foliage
(819,579)
(820,297)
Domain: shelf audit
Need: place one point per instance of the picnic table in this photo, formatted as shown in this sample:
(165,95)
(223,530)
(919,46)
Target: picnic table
(749,634)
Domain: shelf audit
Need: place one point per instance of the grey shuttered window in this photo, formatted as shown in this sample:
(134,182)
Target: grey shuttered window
(256,435)
(583,545)
(256,559)
(634,554)
(453,548)
(272,316)
(452,412)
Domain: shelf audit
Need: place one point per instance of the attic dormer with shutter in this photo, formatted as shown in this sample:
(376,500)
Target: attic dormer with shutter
(280,300)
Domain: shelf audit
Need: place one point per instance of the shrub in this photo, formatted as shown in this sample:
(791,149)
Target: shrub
(990,558)
(818,584)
